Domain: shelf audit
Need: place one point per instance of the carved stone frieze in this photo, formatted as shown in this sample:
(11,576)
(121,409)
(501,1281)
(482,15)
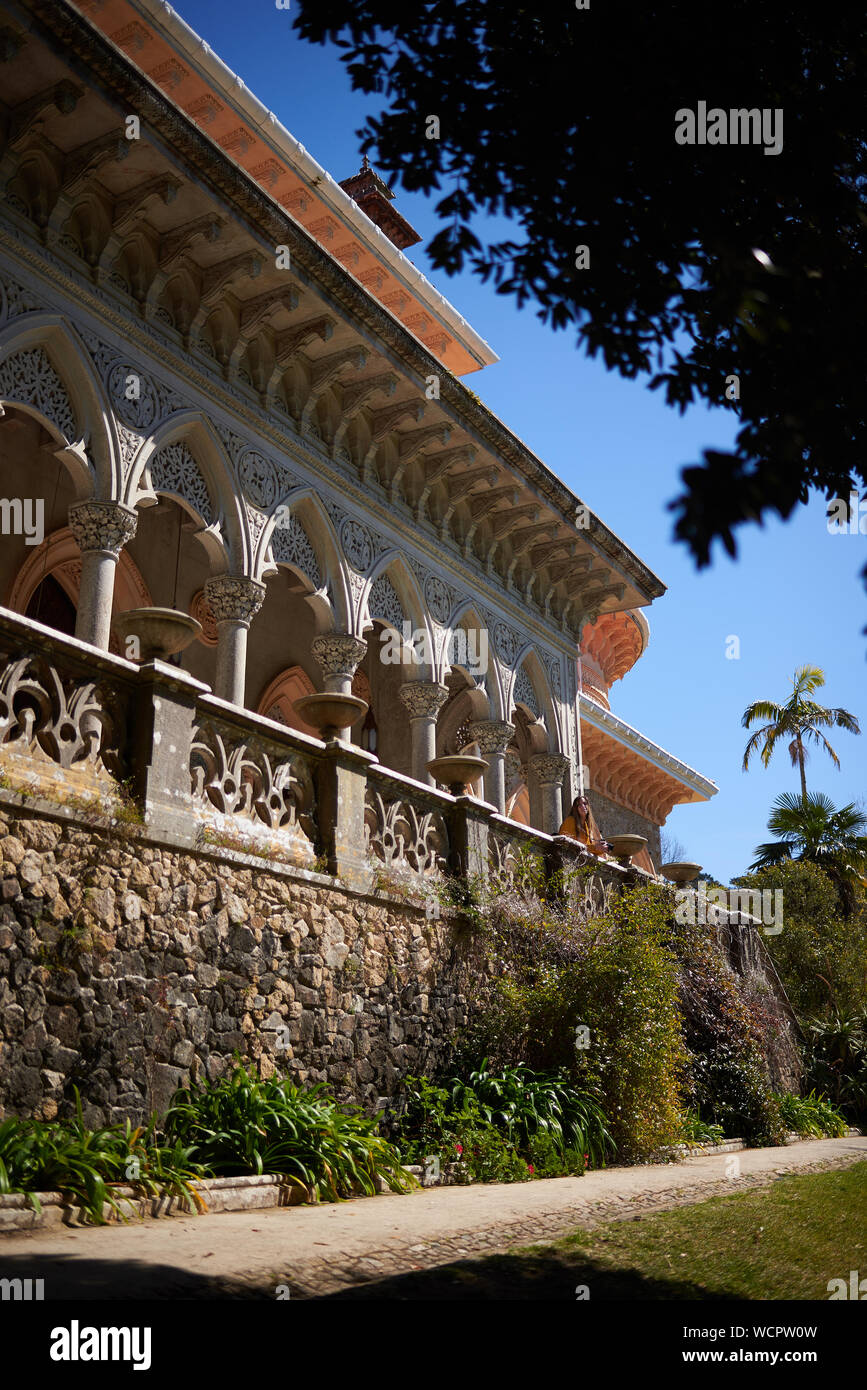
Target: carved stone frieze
(290,545)
(29,378)
(174,470)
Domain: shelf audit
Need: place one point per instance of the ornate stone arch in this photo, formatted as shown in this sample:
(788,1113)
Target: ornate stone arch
(530,691)
(46,371)
(299,533)
(185,460)
(392,596)
(472,655)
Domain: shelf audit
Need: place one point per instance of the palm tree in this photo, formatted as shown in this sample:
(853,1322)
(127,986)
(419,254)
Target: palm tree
(811,828)
(800,719)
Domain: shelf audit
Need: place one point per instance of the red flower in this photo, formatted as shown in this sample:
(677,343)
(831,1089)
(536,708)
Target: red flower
(586,1159)
(530,1168)
(459,1148)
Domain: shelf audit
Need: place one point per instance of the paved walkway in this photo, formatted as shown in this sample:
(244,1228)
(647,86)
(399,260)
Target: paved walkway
(315,1251)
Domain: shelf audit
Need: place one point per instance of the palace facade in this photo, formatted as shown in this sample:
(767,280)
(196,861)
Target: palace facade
(226,390)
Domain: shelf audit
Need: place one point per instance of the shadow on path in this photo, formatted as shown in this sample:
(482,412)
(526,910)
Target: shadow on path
(551,1276)
(548,1276)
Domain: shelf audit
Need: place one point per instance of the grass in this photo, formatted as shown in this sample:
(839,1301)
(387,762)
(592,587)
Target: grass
(785,1241)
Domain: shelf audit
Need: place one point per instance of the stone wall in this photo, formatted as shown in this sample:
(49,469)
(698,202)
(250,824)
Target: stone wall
(130,965)
(126,969)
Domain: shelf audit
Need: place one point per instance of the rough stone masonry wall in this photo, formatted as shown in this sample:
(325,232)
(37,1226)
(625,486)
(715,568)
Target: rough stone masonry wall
(125,970)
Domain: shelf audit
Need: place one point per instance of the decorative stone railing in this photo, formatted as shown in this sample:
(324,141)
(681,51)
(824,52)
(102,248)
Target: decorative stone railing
(64,715)
(81,728)
(246,780)
(406,824)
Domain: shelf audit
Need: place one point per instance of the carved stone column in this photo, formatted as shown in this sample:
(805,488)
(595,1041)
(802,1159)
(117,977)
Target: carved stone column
(424,700)
(339,655)
(493,737)
(101,530)
(549,769)
(234,601)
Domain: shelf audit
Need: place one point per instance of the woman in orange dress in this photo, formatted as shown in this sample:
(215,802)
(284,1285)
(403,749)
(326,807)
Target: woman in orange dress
(580,825)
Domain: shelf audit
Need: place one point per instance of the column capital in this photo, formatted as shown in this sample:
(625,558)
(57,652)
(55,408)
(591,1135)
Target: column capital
(102,525)
(338,654)
(423,699)
(549,768)
(234,597)
(492,735)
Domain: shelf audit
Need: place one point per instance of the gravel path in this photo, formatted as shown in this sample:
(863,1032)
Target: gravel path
(314,1251)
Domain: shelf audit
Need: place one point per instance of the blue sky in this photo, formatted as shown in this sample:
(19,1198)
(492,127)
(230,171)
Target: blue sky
(792,597)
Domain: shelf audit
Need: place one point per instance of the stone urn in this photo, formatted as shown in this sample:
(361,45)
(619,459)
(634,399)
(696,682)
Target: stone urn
(623,847)
(681,874)
(457,770)
(330,713)
(160,632)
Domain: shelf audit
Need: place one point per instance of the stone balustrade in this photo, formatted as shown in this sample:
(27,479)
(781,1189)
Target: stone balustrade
(81,729)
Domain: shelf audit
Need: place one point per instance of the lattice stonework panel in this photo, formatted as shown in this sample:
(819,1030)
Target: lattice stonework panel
(384,603)
(29,377)
(247,782)
(291,545)
(174,470)
(53,717)
(524,693)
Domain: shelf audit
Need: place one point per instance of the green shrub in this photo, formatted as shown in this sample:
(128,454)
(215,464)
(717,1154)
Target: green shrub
(698,1131)
(547,1160)
(836,1059)
(241,1124)
(502,1127)
(812,1114)
(88,1165)
(729,1034)
(731,1088)
(614,976)
(821,956)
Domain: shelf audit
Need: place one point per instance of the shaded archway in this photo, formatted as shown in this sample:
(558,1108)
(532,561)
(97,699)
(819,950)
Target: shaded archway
(47,584)
(277,701)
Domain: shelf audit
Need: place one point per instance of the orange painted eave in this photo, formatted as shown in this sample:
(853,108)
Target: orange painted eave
(128,29)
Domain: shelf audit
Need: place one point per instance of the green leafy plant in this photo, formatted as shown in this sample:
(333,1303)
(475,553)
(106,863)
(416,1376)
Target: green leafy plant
(837,1061)
(523,1104)
(241,1124)
(813,1115)
(698,1131)
(89,1165)
(502,1126)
